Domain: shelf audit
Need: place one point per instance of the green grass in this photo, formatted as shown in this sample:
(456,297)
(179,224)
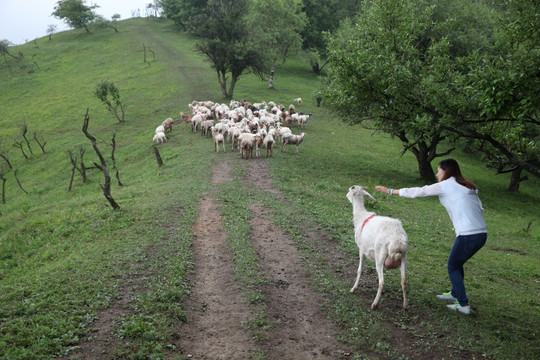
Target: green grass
(64,256)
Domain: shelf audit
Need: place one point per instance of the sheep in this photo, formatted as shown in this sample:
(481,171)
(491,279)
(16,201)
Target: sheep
(159,129)
(298,101)
(205,126)
(379,238)
(168,124)
(186,118)
(218,138)
(269,143)
(292,109)
(160,137)
(246,146)
(289,138)
(303,119)
(196,120)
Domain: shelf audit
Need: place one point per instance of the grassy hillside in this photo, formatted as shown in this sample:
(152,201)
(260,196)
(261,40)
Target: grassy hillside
(66,255)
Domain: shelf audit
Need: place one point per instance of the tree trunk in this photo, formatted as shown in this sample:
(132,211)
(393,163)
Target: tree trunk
(272,72)
(3,189)
(231,87)
(222,79)
(516,179)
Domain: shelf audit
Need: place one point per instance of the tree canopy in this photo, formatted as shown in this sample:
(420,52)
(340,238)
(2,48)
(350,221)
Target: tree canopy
(427,72)
(75,13)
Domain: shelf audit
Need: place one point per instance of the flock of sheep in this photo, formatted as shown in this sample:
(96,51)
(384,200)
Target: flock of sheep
(248,127)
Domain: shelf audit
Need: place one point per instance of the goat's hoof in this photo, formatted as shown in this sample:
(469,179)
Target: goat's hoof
(352,290)
(374,306)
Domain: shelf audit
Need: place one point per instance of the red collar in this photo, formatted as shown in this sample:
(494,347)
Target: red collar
(366,221)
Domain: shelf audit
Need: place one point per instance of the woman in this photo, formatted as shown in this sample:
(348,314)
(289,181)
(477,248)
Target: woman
(460,198)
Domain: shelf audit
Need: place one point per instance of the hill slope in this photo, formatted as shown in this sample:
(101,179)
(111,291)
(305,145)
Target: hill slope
(67,256)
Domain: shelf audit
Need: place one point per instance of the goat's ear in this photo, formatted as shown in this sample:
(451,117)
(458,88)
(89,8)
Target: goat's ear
(369,195)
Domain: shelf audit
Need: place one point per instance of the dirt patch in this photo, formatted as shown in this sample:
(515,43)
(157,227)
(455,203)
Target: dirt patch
(301,329)
(216,309)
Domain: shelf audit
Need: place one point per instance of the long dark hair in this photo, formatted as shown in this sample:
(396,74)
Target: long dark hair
(451,168)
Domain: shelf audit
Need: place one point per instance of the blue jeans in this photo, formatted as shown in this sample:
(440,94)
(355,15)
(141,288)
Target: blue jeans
(465,246)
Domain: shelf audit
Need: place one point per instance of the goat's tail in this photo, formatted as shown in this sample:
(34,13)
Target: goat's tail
(397,248)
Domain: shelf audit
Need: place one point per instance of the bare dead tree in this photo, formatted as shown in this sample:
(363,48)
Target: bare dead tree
(158,157)
(19,183)
(4,156)
(18,144)
(73,159)
(24,130)
(102,166)
(41,142)
(115,167)
(3,187)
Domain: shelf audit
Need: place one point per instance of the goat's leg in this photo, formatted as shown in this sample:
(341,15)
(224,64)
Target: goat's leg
(359,272)
(379,265)
(403,268)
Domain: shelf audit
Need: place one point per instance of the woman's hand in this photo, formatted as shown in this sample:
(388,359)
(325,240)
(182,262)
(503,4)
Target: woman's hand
(381,189)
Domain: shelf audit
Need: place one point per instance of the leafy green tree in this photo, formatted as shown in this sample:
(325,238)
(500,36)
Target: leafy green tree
(228,42)
(280,31)
(75,13)
(109,94)
(495,96)
(380,71)
(324,16)
(184,12)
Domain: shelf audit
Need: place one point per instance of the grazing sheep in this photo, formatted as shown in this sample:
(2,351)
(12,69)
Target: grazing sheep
(196,120)
(168,124)
(298,101)
(380,239)
(290,139)
(218,138)
(160,137)
(159,129)
(269,143)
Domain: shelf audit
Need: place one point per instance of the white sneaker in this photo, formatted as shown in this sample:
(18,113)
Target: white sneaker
(465,310)
(447,296)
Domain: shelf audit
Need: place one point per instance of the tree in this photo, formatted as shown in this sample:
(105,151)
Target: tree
(4,50)
(495,95)
(75,13)
(51,29)
(109,94)
(281,36)
(184,12)
(324,16)
(379,73)
(231,46)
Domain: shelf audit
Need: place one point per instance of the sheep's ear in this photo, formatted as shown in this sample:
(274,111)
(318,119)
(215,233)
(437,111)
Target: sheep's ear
(368,194)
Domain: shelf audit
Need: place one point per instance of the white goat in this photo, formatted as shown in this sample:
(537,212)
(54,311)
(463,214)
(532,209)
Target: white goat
(160,137)
(298,100)
(380,239)
(290,139)
(159,129)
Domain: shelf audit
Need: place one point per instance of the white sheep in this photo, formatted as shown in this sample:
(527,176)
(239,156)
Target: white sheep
(380,239)
(291,139)
(160,137)
(269,143)
(303,119)
(218,138)
(298,101)
(159,129)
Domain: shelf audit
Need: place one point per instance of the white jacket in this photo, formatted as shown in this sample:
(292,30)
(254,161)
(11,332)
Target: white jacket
(461,203)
